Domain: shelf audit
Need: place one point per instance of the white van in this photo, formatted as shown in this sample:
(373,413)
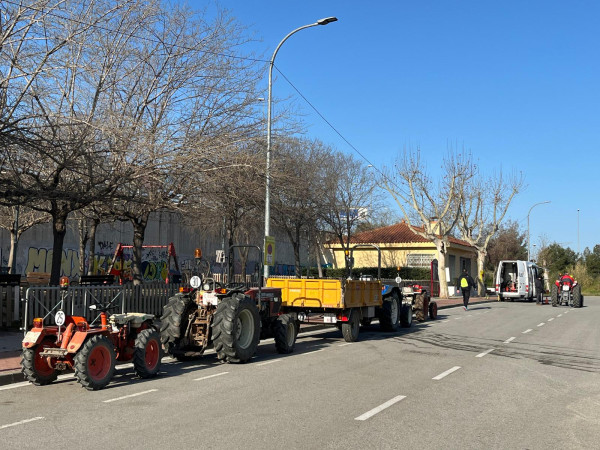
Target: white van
(516,280)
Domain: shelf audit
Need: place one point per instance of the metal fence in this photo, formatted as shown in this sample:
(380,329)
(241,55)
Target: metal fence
(44,301)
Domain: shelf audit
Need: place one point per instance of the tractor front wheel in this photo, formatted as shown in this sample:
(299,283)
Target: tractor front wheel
(95,363)
(406,315)
(577,299)
(147,353)
(35,368)
(390,313)
(433,310)
(285,332)
(236,329)
(554,295)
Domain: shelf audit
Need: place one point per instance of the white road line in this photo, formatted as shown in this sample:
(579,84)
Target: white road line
(444,321)
(380,408)
(310,353)
(15,385)
(211,376)
(527,331)
(343,345)
(193,367)
(559,315)
(550,319)
(566,312)
(269,362)
(481,355)
(129,396)
(20,423)
(510,339)
(446,373)
(541,324)
(457,318)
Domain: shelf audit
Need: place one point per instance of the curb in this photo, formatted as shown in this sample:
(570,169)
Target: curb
(11,377)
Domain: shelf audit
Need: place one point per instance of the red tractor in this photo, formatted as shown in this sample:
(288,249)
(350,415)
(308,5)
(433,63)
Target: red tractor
(421,301)
(91,351)
(566,291)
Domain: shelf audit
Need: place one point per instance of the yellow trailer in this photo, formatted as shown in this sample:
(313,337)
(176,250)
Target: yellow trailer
(345,303)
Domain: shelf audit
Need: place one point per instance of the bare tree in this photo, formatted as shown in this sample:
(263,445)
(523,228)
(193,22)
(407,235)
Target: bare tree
(431,207)
(484,205)
(16,220)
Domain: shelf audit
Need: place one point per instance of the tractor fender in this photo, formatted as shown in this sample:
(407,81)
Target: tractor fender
(77,341)
(33,337)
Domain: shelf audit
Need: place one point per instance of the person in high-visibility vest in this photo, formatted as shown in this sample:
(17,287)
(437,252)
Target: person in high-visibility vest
(466,283)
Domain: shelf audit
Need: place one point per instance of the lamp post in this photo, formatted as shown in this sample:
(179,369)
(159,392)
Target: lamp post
(324,21)
(577,231)
(528,239)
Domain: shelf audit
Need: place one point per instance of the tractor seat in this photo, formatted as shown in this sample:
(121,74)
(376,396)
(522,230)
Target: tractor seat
(135,319)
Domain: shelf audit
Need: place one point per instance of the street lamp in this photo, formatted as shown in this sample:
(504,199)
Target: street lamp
(577,231)
(324,21)
(528,240)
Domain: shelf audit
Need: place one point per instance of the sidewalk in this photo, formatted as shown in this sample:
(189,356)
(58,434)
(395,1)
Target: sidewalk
(10,342)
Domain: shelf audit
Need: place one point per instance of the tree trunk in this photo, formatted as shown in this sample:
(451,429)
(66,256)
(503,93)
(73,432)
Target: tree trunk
(139,230)
(92,246)
(481,254)
(441,257)
(59,230)
(83,238)
(12,256)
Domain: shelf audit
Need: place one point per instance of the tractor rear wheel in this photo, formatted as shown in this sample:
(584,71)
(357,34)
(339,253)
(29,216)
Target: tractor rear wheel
(36,369)
(285,332)
(147,353)
(390,313)
(174,322)
(406,315)
(433,310)
(577,299)
(95,363)
(421,307)
(351,328)
(236,329)
(554,295)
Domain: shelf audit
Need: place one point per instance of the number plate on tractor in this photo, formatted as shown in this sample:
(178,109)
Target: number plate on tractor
(329,318)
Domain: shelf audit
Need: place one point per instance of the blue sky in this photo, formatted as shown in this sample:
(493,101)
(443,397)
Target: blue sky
(515,82)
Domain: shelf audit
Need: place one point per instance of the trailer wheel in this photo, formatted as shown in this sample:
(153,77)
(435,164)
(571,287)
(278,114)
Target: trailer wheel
(285,332)
(554,295)
(147,353)
(174,322)
(36,369)
(390,313)
(406,313)
(236,329)
(420,307)
(95,363)
(350,329)
(433,310)
(577,299)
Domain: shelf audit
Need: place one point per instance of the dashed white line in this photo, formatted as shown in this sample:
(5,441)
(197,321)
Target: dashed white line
(559,315)
(566,312)
(527,331)
(481,355)
(446,373)
(129,396)
(550,319)
(269,362)
(510,339)
(457,318)
(380,408)
(343,345)
(310,353)
(541,324)
(20,422)
(211,376)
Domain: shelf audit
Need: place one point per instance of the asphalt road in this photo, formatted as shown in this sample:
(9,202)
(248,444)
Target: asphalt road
(503,375)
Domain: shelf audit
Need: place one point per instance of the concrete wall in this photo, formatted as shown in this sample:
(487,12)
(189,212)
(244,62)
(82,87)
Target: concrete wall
(34,252)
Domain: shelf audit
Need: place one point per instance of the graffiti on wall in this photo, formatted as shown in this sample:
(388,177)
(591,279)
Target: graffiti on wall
(154,267)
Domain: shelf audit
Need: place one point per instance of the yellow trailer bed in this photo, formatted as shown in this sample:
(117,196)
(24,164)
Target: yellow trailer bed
(327,294)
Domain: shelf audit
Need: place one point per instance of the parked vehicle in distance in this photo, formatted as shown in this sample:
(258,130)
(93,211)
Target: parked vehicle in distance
(516,280)
(566,291)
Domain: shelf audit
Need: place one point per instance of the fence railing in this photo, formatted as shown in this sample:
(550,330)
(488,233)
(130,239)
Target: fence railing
(44,301)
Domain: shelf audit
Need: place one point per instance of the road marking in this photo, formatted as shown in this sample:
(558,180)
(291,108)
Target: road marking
(21,422)
(566,312)
(510,339)
(380,408)
(193,367)
(481,355)
(310,353)
(457,318)
(211,376)
(559,315)
(541,324)
(269,362)
(527,331)
(343,345)
(446,373)
(550,319)
(444,321)
(129,396)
